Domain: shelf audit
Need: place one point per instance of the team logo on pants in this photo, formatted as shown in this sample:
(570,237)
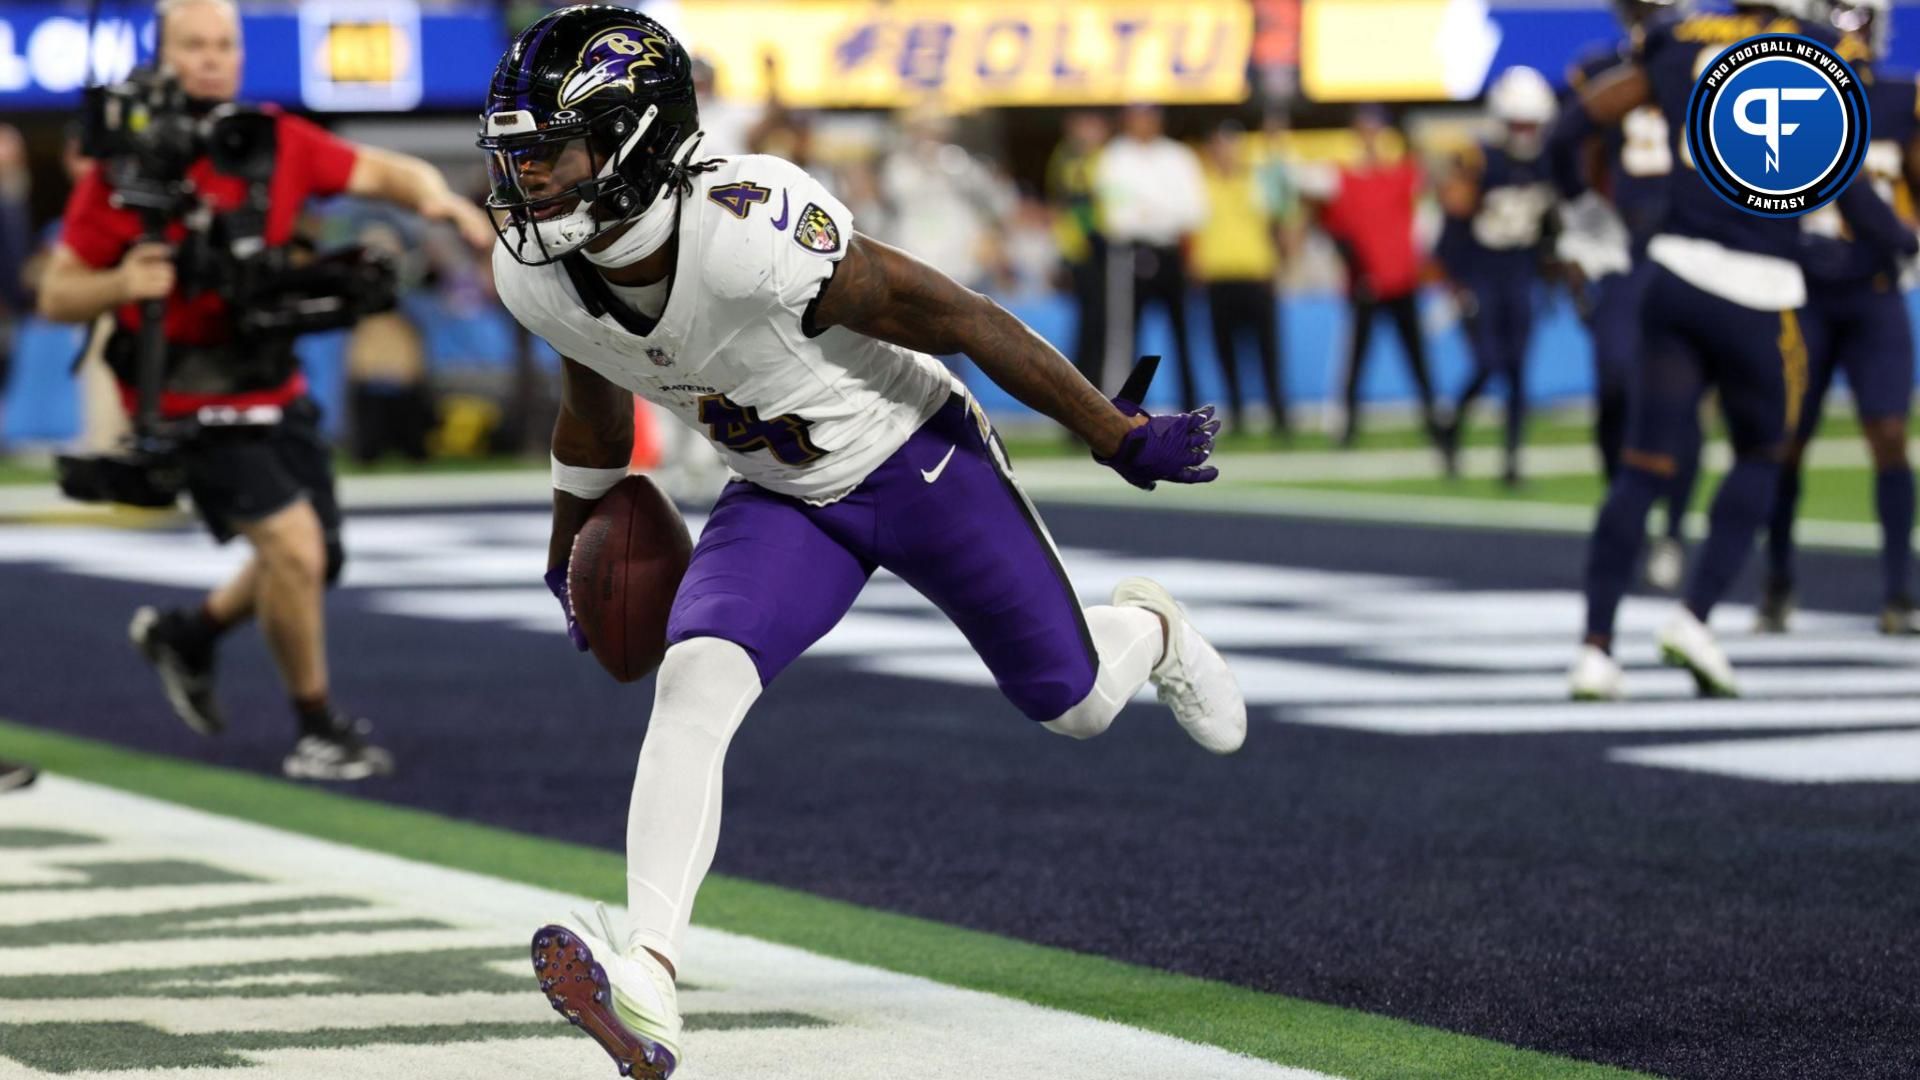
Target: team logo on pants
(1777,125)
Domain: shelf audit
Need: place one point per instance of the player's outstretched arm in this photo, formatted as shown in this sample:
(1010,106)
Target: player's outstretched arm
(883,292)
(1609,97)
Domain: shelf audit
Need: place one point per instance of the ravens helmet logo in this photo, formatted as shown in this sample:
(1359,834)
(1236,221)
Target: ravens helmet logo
(609,59)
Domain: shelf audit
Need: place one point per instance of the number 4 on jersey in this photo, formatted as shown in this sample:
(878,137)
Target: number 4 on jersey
(740,429)
(739,198)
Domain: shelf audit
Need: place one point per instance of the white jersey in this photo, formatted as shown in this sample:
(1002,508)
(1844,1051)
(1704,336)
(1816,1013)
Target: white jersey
(808,417)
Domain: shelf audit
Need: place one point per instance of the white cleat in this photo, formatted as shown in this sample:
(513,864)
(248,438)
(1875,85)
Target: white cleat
(1595,676)
(1666,564)
(1192,677)
(626,1003)
(1687,643)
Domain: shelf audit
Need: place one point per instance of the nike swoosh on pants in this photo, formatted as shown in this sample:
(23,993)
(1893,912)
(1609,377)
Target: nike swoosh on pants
(930,475)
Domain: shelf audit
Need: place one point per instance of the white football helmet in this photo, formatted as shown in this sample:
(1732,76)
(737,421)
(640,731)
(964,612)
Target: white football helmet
(1523,105)
(1872,19)
(1522,95)
(1799,9)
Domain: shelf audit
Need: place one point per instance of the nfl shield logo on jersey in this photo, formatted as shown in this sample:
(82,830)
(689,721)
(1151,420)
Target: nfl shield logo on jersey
(659,356)
(816,231)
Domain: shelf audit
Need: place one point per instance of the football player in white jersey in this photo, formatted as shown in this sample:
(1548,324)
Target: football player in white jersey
(734,293)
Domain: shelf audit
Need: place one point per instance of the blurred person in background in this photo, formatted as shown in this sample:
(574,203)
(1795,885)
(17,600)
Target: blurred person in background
(725,124)
(1370,219)
(1236,256)
(1614,182)
(1856,319)
(781,131)
(1497,200)
(103,418)
(1723,312)
(944,206)
(272,483)
(16,247)
(1151,199)
(1083,249)
(389,408)
(1280,184)
(1030,263)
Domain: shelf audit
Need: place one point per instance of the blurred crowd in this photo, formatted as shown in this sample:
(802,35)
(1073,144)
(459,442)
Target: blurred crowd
(1118,220)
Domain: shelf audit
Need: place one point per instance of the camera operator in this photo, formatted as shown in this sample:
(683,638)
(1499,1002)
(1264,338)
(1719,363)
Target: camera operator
(269,482)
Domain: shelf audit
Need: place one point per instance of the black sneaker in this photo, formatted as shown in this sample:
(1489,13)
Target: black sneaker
(1776,610)
(185,668)
(341,754)
(1897,619)
(14,777)
(1446,439)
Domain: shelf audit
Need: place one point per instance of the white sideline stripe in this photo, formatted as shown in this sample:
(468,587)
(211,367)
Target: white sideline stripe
(1305,685)
(1874,757)
(883,1025)
(1448,510)
(187,952)
(1629,716)
(30,907)
(1536,655)
(299,1012)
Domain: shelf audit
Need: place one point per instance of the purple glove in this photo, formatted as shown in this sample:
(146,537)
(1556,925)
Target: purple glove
(1174,447)
(557,584)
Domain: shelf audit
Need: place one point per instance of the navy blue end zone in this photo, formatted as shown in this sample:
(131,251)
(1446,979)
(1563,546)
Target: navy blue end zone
(1517,886)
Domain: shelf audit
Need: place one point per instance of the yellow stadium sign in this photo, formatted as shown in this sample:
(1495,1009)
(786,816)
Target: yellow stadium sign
(361,55)
(974,53)
(1395,50)
(363,52)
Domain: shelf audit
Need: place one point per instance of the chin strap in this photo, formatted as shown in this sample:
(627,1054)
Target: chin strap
(653,227)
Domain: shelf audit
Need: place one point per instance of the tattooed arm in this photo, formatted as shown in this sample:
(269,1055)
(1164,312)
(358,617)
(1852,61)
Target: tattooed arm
(885,293)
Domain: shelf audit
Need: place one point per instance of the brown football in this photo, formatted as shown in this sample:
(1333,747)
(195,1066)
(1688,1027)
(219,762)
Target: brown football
(627,563)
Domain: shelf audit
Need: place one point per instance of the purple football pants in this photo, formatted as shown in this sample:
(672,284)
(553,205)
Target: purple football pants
(773,574)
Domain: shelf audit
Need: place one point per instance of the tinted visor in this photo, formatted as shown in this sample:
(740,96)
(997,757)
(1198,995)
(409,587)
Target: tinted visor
(545,178)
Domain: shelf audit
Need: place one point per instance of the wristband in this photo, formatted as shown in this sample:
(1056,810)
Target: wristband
(588,484)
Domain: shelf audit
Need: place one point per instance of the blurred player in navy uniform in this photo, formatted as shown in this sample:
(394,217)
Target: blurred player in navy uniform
(1720,309)
(1856,320)
(1615,181)
(1497,202)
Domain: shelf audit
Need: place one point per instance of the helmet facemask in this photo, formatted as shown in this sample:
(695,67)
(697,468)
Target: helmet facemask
(557,188)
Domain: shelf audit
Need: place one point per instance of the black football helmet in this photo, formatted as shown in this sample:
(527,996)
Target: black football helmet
(587,118)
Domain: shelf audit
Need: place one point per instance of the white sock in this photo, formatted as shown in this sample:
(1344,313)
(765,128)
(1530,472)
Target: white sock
(1130,641)
(704,689)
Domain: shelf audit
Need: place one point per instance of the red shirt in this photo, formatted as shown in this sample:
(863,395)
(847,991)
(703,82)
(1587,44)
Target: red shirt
(308,162)
(1373,214)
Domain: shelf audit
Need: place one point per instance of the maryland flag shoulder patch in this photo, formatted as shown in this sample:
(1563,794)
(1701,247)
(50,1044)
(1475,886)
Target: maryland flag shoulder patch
(816,231)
